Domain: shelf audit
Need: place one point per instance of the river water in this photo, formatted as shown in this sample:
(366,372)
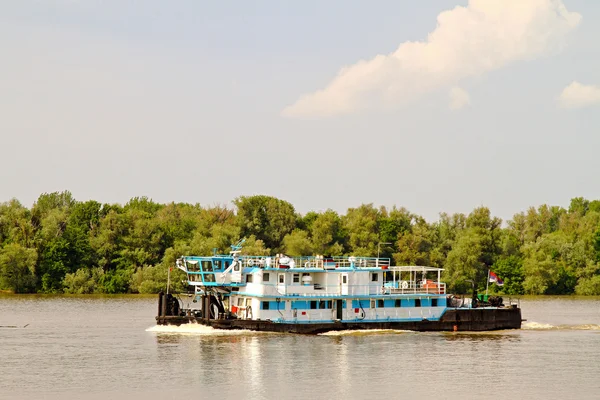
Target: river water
(109,348)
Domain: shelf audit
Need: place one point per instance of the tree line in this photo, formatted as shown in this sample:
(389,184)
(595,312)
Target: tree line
(61,245)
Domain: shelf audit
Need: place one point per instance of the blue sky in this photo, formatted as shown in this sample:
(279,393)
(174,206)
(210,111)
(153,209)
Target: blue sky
(202,102)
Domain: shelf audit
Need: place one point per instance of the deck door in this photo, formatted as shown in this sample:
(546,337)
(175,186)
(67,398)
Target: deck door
(339,310)
(344,283)
(281,283)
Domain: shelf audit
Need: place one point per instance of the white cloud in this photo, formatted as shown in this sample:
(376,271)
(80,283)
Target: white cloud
(459,98)
(468,41)
(577,95)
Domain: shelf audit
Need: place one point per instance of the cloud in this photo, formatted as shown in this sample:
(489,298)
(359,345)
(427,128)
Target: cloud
(468,41)
(459,98)
(577,95)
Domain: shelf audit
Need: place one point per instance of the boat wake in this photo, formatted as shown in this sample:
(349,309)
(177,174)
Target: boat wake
(201,330)
(536,326)
(363,332)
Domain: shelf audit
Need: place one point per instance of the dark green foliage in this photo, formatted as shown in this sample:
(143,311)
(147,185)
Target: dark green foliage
(510,269)
(62,245)
(267,218)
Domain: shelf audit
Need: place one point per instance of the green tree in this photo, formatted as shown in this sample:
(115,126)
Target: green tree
(464,264)
(297,243)
(361,225)
(15,224)
(17,267)
(415,245)
(267,218)
(510,270)
(327,234)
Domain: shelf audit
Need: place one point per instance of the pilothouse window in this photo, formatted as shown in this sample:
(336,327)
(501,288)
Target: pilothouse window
(266,277)
(193,266)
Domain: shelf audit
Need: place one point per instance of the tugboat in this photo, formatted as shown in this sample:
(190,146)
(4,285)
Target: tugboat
(317,294)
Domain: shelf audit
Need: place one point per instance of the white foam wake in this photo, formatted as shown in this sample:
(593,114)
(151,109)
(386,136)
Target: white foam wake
(536,326)
(200,330)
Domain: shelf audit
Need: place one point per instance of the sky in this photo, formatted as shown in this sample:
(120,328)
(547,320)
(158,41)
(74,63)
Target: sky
(436,106)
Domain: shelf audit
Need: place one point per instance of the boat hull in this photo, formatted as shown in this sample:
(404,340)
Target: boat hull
(474,319)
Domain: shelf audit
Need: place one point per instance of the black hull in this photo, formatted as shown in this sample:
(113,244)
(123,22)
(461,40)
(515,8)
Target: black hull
(483,319)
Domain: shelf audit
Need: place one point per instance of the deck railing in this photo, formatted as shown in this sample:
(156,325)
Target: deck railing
(318,262)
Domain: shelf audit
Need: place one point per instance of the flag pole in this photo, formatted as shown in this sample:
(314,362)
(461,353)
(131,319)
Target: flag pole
(168,280)
(487,284)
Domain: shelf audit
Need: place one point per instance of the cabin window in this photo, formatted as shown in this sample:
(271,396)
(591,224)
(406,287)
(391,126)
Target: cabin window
(313,305)
(374,277)
(417,302)
(217,264)
(380,303)
(325,304)
(248,278)
(344,279)
(434,302)
(266,277)
(265,305)
(240,301)
(207,266)
(296,278)
(398,303)
(226,264)
(193,266)
(281,278)
(372,304)
(209,277)
(236,267)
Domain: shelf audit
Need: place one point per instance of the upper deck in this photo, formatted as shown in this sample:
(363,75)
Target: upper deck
(311,276)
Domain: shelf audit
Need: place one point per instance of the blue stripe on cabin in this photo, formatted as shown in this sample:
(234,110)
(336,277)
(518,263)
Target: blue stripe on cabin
(389,303)
(364,303)
(301,305)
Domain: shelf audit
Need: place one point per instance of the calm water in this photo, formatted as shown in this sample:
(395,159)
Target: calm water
(109,348)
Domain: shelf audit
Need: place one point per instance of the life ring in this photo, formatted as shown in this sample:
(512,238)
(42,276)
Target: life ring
(404,285)
(250,262)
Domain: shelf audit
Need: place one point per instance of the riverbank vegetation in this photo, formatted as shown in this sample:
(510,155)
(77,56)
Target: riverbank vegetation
(61,245)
